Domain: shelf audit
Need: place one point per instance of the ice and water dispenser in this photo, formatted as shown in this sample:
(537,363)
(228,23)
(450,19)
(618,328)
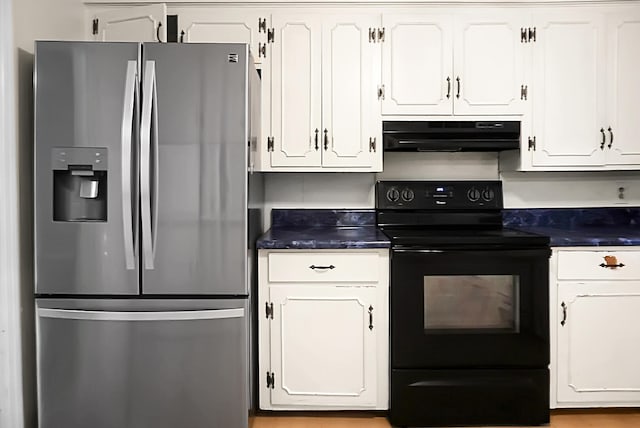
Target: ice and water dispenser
(79,183)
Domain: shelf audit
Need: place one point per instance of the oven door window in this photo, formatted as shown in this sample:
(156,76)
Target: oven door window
(471,304)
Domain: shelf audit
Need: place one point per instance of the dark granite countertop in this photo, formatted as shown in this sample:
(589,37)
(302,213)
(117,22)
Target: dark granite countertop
(323,229)
(579,227)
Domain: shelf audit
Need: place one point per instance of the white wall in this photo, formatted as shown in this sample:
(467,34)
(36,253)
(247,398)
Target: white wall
(521,189)
(33,20)
(10,341)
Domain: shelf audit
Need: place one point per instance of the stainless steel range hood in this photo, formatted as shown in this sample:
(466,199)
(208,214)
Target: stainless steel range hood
(450,136)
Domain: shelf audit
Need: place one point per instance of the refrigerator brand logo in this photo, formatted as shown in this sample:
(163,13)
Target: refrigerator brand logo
(232,57)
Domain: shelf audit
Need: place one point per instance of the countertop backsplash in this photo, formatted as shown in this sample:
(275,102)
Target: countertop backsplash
(571,218)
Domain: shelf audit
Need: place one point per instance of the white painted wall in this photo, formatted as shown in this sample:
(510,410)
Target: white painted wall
(32,20)
(10,339)
(521,189)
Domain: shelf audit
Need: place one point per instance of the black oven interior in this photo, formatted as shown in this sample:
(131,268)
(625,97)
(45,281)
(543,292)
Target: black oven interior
(469,307)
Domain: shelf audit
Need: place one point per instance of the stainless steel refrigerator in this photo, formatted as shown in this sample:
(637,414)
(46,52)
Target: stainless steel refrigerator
(145,215)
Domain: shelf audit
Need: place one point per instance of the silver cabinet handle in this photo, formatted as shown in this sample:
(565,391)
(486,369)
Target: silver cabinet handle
(130,92)
(148,130)
(73,314)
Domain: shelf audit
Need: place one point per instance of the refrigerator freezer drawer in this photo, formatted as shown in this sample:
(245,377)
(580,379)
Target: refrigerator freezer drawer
(132,368)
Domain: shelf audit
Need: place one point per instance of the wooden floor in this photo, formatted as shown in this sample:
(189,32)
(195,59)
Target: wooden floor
(623,418)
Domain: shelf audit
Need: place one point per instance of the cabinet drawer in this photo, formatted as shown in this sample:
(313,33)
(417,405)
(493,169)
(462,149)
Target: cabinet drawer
(593,265)
(324,267)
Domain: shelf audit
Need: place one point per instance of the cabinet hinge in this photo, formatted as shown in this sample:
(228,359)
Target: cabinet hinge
(532,143)
(372,144)
(271,380)
(381,34)
(381,92)
(524,90)
(262,50)
(94,25)
(271,35)
(269,310)
(262,25)
(269,144)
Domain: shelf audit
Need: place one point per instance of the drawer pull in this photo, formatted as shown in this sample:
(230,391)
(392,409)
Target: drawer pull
(564,314)
(370,317)
(314,267)
(612,266)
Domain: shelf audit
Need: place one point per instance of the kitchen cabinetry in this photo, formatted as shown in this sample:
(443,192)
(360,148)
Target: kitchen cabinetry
(131,24)
(585,96)
(462,64)
(324,77)
(597,314)
(323,329)
(224,25)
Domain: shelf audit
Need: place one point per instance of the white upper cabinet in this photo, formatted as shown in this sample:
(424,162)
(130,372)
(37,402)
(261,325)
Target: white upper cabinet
(324,112)
(223,25)
(623,88)
(132,24)
(417,64)
(584,90)
(296,115)
(489,63)
(568,88)
(463,64)
(350,111)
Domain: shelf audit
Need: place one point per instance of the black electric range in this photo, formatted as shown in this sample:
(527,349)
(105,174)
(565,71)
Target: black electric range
(469,307)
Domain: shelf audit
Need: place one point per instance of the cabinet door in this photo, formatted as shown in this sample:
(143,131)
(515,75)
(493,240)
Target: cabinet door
(224,26)
(417,64)
(133,24)
(350,110)
(296,91)
(599,343)
(323,345)
(489,63)
(568,89)
(623,88)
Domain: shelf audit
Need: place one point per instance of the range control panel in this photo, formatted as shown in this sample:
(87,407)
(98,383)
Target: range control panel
(427,195)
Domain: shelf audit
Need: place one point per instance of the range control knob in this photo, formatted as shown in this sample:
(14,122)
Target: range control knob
(407,194)
(473,194)
(393,195)
(488,194)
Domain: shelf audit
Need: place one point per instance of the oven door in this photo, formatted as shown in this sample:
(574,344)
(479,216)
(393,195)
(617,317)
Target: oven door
(470,308)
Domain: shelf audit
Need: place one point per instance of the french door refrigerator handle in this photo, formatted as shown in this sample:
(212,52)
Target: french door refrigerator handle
(74,314)
(130,91)
(148,104)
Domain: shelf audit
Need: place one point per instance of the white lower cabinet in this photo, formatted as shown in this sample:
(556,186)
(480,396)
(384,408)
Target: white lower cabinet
(324,335)
(597,329)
